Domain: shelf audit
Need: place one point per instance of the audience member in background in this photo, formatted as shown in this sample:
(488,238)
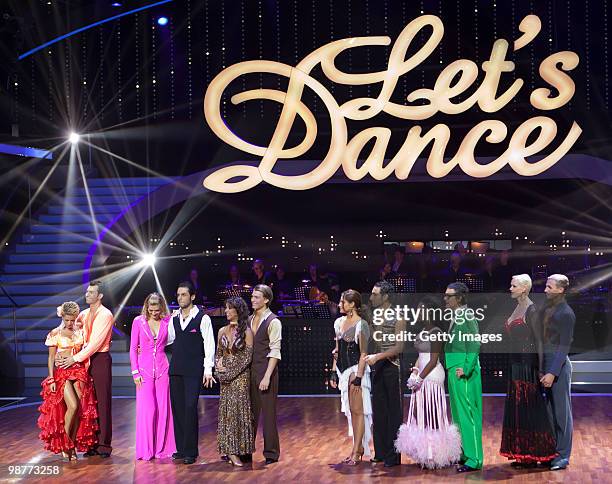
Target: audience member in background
(260,276)
(488,274)
(454,271)
(503,272)
(315,279)
(282,287)
(385,272)
(235,279)
(194,278)
(399,266)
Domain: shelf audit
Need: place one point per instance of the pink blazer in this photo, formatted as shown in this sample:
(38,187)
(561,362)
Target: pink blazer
(151,362)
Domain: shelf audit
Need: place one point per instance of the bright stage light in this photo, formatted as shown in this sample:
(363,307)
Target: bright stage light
(148,260)
(74,138)
(162,21)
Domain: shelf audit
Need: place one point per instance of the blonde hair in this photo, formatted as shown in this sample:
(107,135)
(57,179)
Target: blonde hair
(560,279)
(524,280)
(162,304)
(69,308)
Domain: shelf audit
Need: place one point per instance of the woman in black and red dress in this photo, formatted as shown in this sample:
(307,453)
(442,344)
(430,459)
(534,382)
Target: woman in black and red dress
(527,435)
(68,417)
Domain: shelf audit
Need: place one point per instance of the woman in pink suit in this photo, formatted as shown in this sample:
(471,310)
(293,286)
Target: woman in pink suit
(154,428)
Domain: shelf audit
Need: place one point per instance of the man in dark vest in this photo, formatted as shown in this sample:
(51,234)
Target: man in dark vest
(266,329)
(387,389)
(190,333)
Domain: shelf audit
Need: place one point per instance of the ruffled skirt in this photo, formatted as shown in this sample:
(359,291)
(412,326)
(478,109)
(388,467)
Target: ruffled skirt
(53,410)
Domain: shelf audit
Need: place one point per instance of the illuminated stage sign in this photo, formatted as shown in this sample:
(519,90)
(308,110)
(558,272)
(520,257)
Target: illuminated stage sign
(454,80)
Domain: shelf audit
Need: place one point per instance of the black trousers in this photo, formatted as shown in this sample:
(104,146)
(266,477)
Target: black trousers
(386,410)
(184,394)
(100,369)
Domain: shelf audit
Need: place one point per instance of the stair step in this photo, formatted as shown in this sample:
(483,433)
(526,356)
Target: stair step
(58,238)
(25,278)
(42,269)
(46,258)
(132,181)
(83,209)
(39,300)
(52,248)
(84,218)
(44,289)
(83,228)
(23,325)
(97,200)
(36,313)
(116,190)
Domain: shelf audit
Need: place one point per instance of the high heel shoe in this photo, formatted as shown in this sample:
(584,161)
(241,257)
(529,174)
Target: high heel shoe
(235,461)
(355,459)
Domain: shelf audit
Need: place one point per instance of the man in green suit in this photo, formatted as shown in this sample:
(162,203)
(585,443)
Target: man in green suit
(464,383)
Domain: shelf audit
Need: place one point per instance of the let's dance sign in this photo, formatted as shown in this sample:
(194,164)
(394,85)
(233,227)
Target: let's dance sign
(454,80)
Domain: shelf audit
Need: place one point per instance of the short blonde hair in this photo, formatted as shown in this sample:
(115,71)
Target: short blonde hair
(69,308)
(561,280)
(524,280)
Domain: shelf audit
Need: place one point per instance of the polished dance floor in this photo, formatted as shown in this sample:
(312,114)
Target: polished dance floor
(313,442)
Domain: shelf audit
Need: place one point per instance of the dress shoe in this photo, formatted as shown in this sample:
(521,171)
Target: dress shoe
(375,460)
(392,463)
(189,460)
(558,464)
(104,455)
(246,458)
(177,456)
(465,468)
(269,460)
(90,453)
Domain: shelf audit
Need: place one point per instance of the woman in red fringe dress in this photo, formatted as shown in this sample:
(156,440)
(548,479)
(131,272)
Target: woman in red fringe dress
(527,433)
(68,418)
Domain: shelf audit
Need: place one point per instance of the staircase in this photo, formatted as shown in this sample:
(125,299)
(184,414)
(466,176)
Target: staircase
(45,269)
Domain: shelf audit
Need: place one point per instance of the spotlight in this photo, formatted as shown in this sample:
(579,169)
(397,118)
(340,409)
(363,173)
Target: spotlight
(162,21)
(74,138)
(116,4)
(148,260)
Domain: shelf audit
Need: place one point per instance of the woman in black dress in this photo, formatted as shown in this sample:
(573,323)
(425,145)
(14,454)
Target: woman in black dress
(527,435)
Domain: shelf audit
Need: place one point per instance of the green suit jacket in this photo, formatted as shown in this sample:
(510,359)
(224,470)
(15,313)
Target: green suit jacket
(464,349)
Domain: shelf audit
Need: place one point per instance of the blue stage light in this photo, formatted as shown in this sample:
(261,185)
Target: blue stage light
(116,4)
(162,21)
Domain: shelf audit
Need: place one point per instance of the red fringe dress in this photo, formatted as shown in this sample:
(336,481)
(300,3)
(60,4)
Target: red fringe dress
(53,408)
(527,433)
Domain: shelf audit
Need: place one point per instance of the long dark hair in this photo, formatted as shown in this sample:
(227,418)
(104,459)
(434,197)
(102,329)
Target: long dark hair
(352,296)
(241,308)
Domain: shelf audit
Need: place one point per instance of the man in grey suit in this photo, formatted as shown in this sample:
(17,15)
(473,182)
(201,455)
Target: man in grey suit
(558,323)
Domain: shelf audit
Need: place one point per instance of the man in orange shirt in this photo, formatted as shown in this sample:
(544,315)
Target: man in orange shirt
(97,323)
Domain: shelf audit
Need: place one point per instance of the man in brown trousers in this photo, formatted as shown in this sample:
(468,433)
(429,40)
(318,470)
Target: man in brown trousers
(266,329)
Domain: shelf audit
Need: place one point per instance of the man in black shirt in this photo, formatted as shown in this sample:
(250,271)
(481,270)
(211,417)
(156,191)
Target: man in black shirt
(559,320)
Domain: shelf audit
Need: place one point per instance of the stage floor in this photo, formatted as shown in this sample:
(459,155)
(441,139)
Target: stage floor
(314,439)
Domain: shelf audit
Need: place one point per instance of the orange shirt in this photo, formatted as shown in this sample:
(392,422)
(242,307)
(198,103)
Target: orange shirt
(98,329)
